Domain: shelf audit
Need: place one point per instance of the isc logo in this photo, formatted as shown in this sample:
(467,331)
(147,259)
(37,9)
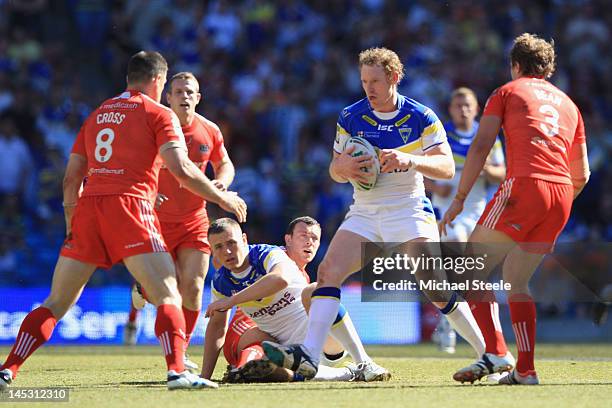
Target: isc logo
(388,128)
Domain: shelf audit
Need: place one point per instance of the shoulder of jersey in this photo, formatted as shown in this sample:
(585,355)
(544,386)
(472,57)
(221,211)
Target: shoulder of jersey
(207,122)
(358,107)
(261,250)
(150,101)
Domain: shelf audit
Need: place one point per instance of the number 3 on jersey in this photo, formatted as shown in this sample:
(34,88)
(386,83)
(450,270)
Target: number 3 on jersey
(552,118)
(104,140)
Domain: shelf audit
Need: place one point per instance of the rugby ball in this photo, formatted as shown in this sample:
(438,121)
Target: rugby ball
(363,147)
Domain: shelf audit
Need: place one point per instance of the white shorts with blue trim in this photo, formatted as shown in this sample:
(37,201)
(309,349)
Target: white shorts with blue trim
(394,223)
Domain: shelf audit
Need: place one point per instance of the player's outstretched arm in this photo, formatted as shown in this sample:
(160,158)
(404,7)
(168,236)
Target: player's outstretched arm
(271,283)
(76,169)
(195,181)
(579,167)
(213,342)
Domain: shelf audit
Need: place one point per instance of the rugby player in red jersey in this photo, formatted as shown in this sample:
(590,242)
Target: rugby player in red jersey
(119,148)
(182,214)
(547,168)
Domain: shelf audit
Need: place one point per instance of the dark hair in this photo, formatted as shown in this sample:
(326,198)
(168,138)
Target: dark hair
(305,219)
(221,225)
(144,66)
(534,55)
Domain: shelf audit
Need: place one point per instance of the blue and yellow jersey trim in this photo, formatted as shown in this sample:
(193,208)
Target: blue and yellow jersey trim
(414,127)
(225,284)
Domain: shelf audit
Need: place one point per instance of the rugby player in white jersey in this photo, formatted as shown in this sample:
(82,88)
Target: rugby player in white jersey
(460,131)
(413,144)
(267,285)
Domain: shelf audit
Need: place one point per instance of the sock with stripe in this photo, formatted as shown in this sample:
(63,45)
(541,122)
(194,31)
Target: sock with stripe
(323,311)
(344,331)
(487,317)
(191,319)
(35,330)
(170,331)
(250,353)
(461,319)
(523,315)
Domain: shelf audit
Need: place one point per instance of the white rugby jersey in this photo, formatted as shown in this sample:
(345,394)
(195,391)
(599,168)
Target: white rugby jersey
(414,129)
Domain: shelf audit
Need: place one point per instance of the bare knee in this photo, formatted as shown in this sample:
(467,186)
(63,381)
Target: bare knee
(191,293)
(329,274)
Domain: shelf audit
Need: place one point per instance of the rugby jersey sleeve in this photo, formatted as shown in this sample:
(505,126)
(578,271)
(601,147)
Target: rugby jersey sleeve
(342,131)
(167,129)
(433,132)
(580,135)
(79,142)
(274,257)
(495,103)
(218,152)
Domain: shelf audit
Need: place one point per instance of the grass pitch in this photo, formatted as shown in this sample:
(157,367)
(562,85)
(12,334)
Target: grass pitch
(577,375)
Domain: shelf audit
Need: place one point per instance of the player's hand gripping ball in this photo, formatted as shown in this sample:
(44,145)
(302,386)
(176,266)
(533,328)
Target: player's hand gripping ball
(363,147)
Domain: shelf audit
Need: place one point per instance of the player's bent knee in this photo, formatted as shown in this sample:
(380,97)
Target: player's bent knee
(330,274)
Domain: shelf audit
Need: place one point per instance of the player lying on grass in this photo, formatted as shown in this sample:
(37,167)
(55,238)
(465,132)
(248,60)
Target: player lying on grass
(268,286)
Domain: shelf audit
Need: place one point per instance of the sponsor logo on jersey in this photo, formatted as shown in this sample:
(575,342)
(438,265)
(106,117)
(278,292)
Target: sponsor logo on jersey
(274,308)
(137,244)
(386,128)
(204,148)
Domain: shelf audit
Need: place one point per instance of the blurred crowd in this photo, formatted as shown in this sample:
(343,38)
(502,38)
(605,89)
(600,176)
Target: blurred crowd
(274,76)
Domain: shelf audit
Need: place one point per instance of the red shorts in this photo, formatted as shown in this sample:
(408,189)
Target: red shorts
(239,324)
(106,229)
(530,211)
(189,234)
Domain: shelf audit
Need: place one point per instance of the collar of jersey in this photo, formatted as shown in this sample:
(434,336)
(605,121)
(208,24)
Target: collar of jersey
(401,99)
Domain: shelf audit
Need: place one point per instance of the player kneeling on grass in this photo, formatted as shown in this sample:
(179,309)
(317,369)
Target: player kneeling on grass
(268,286)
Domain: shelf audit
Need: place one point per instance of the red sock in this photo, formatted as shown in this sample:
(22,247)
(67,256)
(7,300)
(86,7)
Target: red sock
(487,317)
(250,353)
(35,330)
(133,315)
(170,330)
(523,315)
(191,319)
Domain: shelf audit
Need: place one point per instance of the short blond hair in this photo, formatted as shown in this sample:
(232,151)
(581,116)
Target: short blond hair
(384,57)
(184,76)
(465,92)
(534,55)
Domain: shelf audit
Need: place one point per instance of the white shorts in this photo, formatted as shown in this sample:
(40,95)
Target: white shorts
(414,218)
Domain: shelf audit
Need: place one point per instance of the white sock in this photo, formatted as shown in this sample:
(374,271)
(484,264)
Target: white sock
(333,374)
(344,331)
(464,323)
(323,312)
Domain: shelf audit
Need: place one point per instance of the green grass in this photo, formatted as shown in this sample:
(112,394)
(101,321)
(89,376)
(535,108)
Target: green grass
(570,375)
